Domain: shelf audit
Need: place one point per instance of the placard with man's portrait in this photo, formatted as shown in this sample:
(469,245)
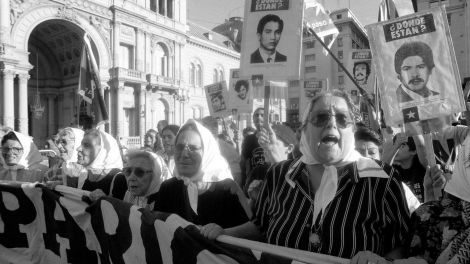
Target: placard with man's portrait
(416,68)
(272,37)
(240,93)
(217,99)
(359,64)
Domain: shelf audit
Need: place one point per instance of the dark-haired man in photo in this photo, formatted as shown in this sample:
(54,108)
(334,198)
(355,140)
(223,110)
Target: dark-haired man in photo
(361,72)
(269,32)
(414,64)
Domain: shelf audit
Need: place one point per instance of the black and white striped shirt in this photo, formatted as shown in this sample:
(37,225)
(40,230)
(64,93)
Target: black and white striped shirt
(367,213)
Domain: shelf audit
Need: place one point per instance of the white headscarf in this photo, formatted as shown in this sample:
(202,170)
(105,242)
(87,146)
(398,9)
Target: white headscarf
(109,156)
(214,167)
(31,156)
(29,167)
(459,184)
(160,172)
(78,135)
(329,181)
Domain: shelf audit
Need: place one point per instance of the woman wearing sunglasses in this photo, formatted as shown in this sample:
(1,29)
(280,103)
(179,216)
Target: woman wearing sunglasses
(202,190)
(144,175)
(22,160)
(331,200)
(68,142)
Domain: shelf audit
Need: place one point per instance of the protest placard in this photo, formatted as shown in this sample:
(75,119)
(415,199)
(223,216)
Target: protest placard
(416,68)
(359,63)
(272,37)
(217,98)
(240,94)
(310,89)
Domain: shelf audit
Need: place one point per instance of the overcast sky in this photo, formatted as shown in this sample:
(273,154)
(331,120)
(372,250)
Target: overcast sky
(210,13)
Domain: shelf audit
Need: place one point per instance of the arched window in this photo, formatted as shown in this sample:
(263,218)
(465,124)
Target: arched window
(197,113)
(199,75)
(192,74)
(160,60)
(221,75)
(216,75)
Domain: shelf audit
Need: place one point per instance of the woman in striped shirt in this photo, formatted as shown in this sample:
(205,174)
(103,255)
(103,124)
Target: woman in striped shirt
(331,200)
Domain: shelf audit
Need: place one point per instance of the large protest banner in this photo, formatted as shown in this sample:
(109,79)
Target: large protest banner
(38,225)
(416,68)
(272,38)
(217,99)
(240,93)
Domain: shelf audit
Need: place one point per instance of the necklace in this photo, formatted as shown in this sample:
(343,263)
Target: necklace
(314,237)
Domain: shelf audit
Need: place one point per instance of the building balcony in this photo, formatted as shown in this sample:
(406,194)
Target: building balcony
(163,82)
(127,75)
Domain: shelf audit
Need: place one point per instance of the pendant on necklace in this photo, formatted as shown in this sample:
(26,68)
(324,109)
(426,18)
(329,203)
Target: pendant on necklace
(314,239)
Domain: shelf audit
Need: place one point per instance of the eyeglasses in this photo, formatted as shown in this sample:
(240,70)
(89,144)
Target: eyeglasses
(188,147)
(138,172)
(322,119)
(13,150)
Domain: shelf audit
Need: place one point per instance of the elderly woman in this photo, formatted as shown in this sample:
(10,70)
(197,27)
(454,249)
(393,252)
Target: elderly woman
(21,159)
(331,200)
(168,137)
(100,156)
(144,175)
(202,190)
(68,142)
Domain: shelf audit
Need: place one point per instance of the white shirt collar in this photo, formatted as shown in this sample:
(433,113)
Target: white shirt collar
(265,56)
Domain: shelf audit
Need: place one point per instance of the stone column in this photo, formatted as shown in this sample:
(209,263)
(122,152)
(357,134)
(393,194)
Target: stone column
(119,111)
(116,42)
(51,128)
(142,110)
(5,21)
(140,50)
(8,104)
(22,119)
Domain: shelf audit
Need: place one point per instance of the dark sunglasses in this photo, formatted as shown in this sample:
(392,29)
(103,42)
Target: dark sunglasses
(322,119)
(188,147)
(138,172)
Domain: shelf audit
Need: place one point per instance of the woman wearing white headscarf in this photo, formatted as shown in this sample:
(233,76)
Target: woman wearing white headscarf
(100,156)
(21,159)
(332,200)
(145,172)
(68,142)
(203,190)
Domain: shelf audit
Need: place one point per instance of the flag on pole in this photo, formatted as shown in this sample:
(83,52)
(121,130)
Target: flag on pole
(89,86)
(390,9)
(318,19)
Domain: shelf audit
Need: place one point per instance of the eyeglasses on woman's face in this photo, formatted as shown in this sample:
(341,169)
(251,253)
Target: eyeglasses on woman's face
(138,172)
(189,147)
(322,118)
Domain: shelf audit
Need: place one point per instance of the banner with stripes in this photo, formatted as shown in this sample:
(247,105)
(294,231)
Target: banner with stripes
(38,225)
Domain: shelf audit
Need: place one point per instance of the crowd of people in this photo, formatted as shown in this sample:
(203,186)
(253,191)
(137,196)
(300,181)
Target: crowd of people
(333,186)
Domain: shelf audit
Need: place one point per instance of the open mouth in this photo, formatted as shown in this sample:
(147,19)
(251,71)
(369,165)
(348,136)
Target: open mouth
(330,140)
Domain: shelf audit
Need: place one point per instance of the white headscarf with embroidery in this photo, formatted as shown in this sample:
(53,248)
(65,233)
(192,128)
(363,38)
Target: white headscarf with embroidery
(213,168)
(160,172)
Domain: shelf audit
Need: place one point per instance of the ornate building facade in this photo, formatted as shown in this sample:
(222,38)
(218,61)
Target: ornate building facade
(153,63)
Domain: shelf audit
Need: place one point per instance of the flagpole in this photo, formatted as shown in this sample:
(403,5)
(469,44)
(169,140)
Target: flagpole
(362,91)
(294,254)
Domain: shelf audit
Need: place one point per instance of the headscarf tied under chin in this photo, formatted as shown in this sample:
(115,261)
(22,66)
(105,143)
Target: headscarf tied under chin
(108,158)
(214,167)
(329,181)
(159,172)
(78,137)
(31,156)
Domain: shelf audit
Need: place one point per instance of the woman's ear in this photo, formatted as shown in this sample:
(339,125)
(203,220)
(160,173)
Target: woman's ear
(290,148)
